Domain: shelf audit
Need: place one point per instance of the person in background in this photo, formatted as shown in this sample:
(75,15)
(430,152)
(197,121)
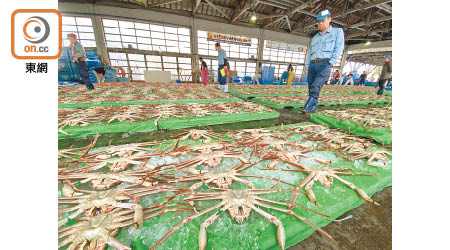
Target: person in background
(325,48)
(258,73)
(222,60)
(335,78)
(341,80)
(386,73)
(362,78)
(290,71)
(284,76)
(204,71)
(349,79)
(99,73)
(79,58)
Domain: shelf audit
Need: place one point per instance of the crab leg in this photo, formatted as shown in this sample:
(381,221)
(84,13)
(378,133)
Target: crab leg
(264,177)
(298,187)
(360,192)
(287,204)
(281,236)
(188,219)
(202,237)
(299,217)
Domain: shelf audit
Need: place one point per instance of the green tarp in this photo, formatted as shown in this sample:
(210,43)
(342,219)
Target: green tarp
(257,232)
(381,135)
(297,104)
(306,94)
(115,104)
(170,123)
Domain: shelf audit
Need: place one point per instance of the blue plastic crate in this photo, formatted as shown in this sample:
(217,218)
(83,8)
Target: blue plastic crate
(124,79)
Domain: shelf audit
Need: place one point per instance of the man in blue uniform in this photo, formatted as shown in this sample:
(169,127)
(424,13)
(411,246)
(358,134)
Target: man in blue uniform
(222,60)
(324,50)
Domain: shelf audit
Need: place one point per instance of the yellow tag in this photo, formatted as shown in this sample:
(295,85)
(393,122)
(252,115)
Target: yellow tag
(222,72)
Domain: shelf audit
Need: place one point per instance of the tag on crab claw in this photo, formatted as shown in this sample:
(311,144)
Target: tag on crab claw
(204,186)
(198,168)
(76,183)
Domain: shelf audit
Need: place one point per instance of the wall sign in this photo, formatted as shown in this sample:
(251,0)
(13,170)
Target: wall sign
(226,38)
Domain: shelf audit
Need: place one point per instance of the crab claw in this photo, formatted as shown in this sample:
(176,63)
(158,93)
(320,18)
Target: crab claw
(311,196)
(281,237)
(68,191)
(202,238)
(138,215)
(365,196)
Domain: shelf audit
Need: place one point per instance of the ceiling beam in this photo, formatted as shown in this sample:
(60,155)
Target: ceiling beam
(376,20)
(168,2)
(363,7)
(275,4)
(289,13)
(241,8)
(221,12)
(288,23)
(196,4)
(368,32)
(346,12)
(298,24)
(385,7)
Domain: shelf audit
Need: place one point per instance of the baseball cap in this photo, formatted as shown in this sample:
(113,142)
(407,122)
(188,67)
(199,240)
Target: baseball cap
(387,56)
(322,14)
(72,35)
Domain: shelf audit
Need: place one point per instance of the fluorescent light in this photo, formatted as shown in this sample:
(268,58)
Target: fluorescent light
(253,17)
(368,43)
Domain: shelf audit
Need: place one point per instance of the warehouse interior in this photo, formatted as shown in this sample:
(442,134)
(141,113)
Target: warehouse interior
(157,154)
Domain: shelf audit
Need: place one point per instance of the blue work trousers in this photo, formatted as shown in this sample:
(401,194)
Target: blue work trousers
(83,69)
(318,74)
(381,83)
(222,79)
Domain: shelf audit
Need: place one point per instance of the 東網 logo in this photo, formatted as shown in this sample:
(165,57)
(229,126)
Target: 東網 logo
(36,34)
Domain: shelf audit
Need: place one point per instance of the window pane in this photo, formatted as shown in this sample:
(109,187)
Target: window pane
(112,30)
(84,21)
(158,42)
(129,39)
(171,30)
(157,35)
(153,58)
(184,45)
(85,29)
(68,20)
(110,23)
(184,60)
(113,44)
(88,43)
(144,40)
(156,28)
(183,31)
(173,49)
(169,59)
(142,26)
(144,46)
(171,43)
(125,24)
(129,32)
(143,33)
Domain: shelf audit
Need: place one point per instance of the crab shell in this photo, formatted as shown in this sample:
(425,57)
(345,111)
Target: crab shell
(239,212)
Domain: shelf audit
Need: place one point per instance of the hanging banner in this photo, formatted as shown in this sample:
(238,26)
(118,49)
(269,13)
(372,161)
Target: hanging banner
(284,46)
(226,38)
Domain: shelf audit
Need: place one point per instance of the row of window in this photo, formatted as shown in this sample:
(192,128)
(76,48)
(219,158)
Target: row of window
(180,67)
(144,36)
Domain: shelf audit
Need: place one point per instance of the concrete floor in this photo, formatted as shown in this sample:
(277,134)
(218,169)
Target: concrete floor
(369,229)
